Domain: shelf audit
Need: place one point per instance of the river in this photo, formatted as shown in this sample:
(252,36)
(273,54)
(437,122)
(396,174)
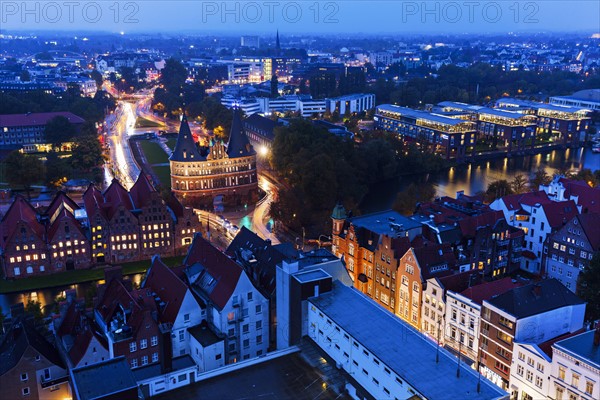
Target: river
(475,177)
(46,297)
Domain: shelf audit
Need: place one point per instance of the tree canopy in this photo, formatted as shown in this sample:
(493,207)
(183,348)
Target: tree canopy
(23,171)
(59,130)
(588,288)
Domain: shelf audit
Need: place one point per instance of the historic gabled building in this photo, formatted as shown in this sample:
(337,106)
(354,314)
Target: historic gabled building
(135,225)
(128,320)
(154,218)
(227,170)
(23,240)
(570,249)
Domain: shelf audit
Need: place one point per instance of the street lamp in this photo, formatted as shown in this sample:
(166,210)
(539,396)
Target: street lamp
(263,150)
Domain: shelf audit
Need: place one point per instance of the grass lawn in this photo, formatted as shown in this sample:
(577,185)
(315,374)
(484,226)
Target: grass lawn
(164,176)
(171,143)
(146,123)
(153,152)
(73,277)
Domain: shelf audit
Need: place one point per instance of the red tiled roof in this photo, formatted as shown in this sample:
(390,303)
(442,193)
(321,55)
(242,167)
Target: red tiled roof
(116,196)
(20,211)
(514,201)
(36,119)
(429,255)
(61,200)
(468,226)
(141,191)
(590,223)
(546,346)
(587,196)
(223,269)
(486,291)
(458,282)
(93,201)
(560,212)
(175,205)
(64,216)
(168,286)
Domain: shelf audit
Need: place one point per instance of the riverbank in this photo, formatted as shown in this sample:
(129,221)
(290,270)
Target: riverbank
(77,276)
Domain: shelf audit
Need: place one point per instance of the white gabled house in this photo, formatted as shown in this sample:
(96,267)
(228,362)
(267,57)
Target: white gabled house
(235,309)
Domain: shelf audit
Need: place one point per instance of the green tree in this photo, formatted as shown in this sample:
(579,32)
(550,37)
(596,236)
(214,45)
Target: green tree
(407,199)
(57,169)
(97,76)
(519,184)
(541,177)
(59,130)
(173,75)
(588,287)
(587,176)
(23,171)
(34,308)
(498,189)
(87,153)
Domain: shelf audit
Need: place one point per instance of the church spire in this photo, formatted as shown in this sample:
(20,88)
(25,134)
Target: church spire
(277,45)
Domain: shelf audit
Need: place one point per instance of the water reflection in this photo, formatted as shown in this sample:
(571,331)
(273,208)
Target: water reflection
(473,178)
(46,297)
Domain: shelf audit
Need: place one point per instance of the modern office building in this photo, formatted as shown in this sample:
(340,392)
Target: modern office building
(566,125)
(449,137)
(352,103)
(27,131)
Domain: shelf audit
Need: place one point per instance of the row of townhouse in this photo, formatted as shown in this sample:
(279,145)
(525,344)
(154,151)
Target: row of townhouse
(109,227)
(475,314)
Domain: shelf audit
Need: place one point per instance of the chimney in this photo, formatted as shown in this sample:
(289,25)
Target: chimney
(597,335)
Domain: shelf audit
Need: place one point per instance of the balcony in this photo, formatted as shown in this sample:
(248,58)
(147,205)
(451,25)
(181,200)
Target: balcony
(503,253)
(503,242)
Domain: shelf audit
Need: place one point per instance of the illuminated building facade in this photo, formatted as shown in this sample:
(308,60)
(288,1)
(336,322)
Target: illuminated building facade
(449,137)
(227,170)
(562,124)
